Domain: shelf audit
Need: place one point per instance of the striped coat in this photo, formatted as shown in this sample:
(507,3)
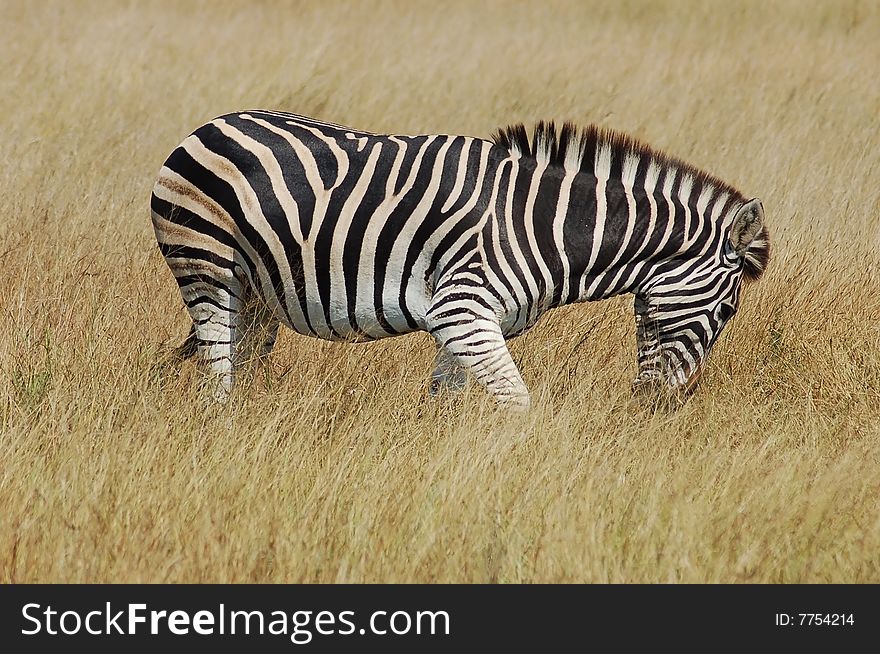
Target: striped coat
(267,218)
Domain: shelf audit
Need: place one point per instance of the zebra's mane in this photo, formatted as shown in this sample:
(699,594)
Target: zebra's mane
(578,149)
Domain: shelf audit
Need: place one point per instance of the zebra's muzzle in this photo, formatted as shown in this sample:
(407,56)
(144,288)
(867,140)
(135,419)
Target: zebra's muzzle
(659,383)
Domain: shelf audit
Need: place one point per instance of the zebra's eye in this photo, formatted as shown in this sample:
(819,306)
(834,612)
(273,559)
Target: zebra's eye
(724,312)
(728,252)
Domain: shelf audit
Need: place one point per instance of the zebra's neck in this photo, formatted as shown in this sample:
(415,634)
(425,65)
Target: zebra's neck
(599,235)
(616,236)
(612,210)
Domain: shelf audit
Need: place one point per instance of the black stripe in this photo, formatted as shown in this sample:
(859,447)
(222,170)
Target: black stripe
(199,278)
(173,251)
(579,229)
(642,172)
(543,216)
(414,145)
(450,323)
(458,297)
(206,299)
(614,232)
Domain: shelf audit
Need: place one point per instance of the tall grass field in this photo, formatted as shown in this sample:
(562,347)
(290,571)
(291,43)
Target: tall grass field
(332,464)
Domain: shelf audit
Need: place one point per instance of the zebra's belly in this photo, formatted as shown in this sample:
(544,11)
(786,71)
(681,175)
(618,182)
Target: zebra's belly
(366,320)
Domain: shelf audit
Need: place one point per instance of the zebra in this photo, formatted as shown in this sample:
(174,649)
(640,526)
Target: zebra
(267,217)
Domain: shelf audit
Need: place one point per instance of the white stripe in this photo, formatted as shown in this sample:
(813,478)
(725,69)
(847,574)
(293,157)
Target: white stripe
(303,120)
(574,154)
(684,196)
(715,222)
(559,231)
(602,167)
(668,183)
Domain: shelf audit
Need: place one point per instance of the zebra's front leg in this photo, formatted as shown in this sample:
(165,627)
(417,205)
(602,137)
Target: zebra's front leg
(475,344)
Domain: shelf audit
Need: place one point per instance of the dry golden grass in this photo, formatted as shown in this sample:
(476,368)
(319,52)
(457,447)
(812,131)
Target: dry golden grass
(334,465)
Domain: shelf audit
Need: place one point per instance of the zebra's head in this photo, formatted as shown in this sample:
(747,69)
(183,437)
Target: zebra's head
(683,308)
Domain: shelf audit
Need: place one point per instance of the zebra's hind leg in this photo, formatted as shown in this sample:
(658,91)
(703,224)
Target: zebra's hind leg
(476,344)
(216,312)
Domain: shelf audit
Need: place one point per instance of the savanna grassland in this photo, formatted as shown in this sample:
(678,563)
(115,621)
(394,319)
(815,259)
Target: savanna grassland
(333,464)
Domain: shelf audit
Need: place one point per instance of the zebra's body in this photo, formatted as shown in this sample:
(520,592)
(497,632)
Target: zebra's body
(268,218)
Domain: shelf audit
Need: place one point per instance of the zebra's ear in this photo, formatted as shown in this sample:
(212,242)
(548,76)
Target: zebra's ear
(747,224)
